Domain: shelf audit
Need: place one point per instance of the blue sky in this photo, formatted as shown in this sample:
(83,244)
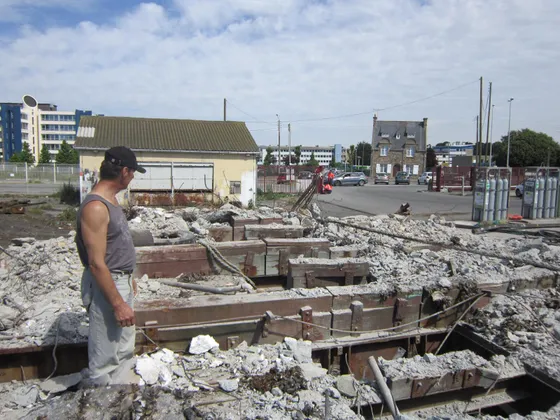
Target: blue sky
(304,60)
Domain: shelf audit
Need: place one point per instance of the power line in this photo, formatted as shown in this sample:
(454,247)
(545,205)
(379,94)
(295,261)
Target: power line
(365,112)
(249,115)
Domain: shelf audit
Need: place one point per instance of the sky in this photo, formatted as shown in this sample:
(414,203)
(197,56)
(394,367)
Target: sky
(324,66)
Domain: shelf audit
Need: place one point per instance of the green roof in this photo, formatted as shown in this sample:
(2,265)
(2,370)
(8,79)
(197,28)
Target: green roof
(163,135)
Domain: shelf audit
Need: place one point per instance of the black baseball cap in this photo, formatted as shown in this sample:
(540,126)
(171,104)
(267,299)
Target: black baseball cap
(123,156)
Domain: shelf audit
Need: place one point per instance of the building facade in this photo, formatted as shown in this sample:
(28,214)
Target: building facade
(323,155)
(399,146)
(36,124)
(445,154)
(185,160)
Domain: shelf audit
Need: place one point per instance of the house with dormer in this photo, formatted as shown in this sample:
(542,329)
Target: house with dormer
(399,146)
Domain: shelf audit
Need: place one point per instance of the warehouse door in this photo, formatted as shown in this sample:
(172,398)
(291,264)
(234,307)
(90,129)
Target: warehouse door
(171,176)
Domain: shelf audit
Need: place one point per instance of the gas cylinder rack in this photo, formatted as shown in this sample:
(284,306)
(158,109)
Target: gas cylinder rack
(540,193)
(491,194)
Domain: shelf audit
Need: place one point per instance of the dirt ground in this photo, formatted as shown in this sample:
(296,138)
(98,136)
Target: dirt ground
(42,221)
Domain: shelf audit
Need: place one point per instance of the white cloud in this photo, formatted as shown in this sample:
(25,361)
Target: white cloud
(302,60)
(15,10)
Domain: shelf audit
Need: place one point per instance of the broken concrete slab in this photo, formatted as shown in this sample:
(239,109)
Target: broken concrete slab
(347,386)
(229,385)
(202,344)
(60,383)
(311,371)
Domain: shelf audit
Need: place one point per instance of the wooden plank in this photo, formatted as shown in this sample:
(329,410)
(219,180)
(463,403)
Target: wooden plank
(221,233)
(273,231)
(270,220)
(239,233)
(326,272)
(171,260)
(239,224)
(248,256)
(226,307)
(280,250)
(344,251)
(369,296)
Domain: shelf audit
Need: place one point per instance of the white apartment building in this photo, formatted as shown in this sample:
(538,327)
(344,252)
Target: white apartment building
(323,154)
(42,124)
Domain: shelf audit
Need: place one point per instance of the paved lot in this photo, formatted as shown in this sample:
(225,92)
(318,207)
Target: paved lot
(384,199)
(14,188)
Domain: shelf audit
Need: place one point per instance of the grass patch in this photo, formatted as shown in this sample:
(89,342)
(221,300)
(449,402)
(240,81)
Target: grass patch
(35,210)
(46,207)
(69,214)
(269,195)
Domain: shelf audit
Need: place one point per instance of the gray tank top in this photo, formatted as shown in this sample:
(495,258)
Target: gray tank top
(120,255)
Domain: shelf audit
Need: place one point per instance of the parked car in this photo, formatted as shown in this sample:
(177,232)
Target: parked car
(519,191)
(381,178)
(350,178)
(281,179)
(425,178)
(402,178)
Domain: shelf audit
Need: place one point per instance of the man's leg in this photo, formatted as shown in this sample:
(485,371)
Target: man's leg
(128,335)
(104,338)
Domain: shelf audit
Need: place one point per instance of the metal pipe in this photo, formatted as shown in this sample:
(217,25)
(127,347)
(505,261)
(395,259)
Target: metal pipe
(385,391)
(200,288)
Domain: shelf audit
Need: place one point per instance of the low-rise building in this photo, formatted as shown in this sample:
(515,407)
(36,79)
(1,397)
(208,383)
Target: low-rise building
(36,124)
(323,154)
(445,153)
(399,146)
(185,160)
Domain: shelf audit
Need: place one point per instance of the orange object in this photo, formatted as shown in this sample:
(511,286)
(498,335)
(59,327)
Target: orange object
(515,217)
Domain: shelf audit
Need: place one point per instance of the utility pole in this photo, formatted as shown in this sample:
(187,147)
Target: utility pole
(492,134)
(488,125)
(289,145)
(510,100)
(278,162)
(480,125)
(225,106)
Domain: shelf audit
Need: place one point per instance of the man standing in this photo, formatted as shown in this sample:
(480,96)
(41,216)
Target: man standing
(107,253)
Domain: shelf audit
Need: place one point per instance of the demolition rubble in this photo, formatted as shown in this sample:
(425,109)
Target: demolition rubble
(41,305)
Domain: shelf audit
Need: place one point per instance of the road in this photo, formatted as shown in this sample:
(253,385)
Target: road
(385,199)
(14,188)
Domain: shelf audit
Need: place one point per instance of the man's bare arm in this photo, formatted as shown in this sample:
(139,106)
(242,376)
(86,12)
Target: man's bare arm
(94,225)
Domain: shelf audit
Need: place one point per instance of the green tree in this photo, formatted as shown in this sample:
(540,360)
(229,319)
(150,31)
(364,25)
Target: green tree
(45,156)
(297,152)
(351,155)
(332,163)
(431,158)
(294,160)
(67,154)
(363,151)
(313,162)
(527,148)
(269,159)
(24,156)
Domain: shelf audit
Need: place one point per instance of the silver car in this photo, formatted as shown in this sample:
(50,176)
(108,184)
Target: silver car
(425,178)
(350,178)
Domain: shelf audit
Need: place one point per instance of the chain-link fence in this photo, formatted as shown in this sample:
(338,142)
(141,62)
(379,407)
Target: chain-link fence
(44,173)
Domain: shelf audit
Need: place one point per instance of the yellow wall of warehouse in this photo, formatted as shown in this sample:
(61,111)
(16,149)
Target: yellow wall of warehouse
(227,168)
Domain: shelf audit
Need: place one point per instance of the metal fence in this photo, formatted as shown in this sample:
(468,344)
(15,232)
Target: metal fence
(455,176)
(44,173)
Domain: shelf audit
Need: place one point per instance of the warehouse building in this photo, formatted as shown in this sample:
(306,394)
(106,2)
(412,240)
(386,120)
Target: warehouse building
(186,160)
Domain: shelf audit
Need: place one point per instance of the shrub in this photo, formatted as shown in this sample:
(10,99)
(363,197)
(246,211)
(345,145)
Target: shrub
(69,214)
(69,194)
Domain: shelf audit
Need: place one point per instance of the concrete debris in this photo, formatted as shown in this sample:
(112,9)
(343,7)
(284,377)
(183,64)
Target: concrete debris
(25,396)
(21,241)
(311,371)
(346,384)
(61,383)
(202,344)
(431,366)
(229,385)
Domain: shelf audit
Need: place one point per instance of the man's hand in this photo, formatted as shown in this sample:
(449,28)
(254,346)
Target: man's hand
(124,315)
(134,287)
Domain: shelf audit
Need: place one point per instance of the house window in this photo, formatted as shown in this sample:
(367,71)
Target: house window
(384,151)
(235,187)
(410,152)
(383,168)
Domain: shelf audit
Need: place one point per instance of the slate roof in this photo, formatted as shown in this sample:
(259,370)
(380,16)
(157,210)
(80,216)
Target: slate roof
(153,134)
(392,128)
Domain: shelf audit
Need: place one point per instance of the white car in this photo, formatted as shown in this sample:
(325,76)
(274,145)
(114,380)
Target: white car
(519,190)
(425,178)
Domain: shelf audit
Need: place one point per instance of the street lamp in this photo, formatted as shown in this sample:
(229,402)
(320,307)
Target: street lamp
(279,155)
(510,100)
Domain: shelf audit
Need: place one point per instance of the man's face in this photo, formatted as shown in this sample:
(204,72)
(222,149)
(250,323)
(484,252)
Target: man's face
(127,175)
